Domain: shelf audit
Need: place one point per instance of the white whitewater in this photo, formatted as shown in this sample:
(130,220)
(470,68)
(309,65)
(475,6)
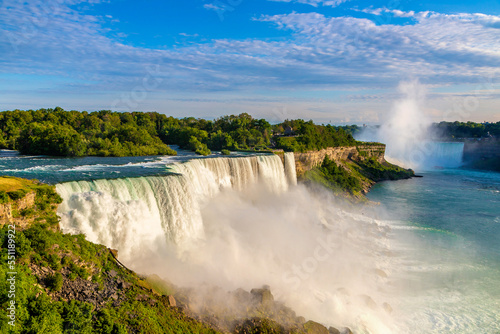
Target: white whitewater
(122,213)
(290,169)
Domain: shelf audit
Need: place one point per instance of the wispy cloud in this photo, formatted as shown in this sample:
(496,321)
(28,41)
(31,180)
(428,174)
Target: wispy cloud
(316,3)
(322,53)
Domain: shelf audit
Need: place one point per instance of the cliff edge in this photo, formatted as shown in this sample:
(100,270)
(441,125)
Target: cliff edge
(348,171)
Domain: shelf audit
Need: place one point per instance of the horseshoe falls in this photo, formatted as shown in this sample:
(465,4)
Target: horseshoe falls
(427,155)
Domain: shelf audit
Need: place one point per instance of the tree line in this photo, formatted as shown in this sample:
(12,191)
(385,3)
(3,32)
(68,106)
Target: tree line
(452,130)
(105,133)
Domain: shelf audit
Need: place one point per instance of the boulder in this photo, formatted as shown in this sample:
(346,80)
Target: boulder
(313,327)
(333,330)
(259,325)
(171,301)
(263,295)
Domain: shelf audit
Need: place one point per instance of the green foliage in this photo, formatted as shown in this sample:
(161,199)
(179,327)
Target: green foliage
(77,317)
(105,323)
(54,282)
(17,194)
(362,153)
(105,133)
(198,147)
(452,130)
(338,177)
(225,152)
(54,261)
(72,133)
(307,136)
(50,139)
(290,144)
(78,270)
(376,171)
(240,132)
(4,197)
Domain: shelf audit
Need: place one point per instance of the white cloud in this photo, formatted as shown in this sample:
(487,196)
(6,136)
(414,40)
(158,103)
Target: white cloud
(211,6)
(322,53)
(316,3)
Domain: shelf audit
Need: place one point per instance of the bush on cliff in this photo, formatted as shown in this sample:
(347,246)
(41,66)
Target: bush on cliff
(376,171)
(335,177)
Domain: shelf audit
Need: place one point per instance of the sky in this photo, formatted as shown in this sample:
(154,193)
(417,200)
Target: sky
(333,61)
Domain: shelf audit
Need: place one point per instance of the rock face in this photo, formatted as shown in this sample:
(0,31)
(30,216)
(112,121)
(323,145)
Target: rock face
(6,210)
(5,213)
(308,160)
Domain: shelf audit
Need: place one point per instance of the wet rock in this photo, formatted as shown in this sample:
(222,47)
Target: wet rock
(171,301)
(313,327)
(263,295)
(333,330)
(300,320)
(259,325)
(242,296)
(114,252)
(346,330)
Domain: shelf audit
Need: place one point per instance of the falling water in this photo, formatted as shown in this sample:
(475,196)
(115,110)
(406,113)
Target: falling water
(122,213)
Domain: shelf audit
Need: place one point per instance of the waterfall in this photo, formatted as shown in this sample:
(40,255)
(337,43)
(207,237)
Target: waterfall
(444,154)
(424,155)
(290,170)
(132,213)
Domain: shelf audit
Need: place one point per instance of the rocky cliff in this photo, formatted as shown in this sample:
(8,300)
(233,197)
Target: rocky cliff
(350,171)
(308,160)
(9,211)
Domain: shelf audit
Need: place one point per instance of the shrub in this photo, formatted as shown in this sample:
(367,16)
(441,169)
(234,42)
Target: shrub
(54,282)
(17,194)
(4,198)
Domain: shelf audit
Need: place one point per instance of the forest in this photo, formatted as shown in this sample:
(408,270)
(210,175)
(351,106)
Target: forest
(105,133)
(463,130)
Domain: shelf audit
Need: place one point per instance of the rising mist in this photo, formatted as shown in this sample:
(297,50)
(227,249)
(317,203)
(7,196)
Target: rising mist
(407,133)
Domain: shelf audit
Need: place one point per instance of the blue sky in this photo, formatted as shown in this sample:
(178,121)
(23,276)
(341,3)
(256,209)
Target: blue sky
(337,61)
